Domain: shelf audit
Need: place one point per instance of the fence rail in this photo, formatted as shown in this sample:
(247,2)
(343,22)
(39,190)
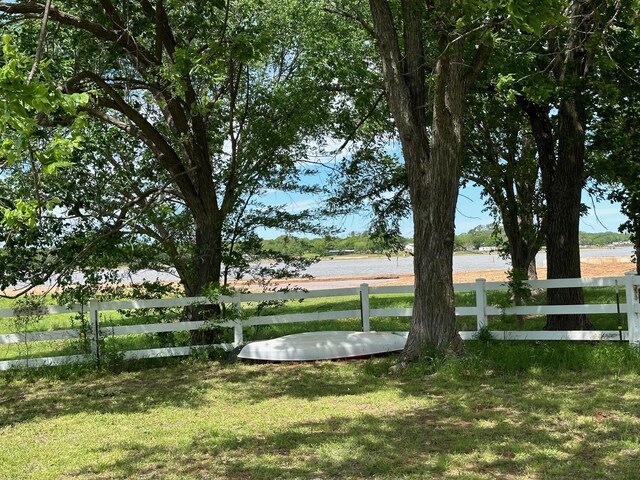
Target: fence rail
(482,310)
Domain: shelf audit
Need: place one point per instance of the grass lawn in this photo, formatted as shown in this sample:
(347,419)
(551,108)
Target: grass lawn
(504,411)
(133,342)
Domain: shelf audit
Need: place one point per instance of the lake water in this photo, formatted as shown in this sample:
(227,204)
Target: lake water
(355,267)
(363,267)
(360,267)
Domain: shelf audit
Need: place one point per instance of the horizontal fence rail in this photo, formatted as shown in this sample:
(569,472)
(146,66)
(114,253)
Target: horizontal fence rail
(628,286)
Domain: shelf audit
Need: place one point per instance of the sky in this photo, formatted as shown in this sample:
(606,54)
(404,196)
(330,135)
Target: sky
(602,216)
(606,216)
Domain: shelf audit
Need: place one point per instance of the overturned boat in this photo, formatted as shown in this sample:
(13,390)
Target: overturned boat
(331,345)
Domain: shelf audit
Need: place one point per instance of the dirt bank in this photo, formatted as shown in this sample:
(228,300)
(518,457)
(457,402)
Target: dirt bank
(604,267)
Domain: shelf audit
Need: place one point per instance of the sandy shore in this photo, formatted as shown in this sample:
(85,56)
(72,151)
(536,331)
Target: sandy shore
(603,267)
(600,267)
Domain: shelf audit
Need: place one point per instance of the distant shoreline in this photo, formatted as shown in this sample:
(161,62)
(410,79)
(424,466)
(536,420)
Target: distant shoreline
(591,266)
(402,254)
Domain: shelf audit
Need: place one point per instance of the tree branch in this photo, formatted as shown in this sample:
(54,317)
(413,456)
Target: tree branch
(357,17)
(479,60)
(113,14)
(152,137)
(123,38)
(43,34)
(360,123)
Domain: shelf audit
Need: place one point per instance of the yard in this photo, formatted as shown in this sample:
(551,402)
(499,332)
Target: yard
(115,345)
(506,410)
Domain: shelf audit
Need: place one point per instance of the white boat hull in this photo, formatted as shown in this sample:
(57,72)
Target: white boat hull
(331,345)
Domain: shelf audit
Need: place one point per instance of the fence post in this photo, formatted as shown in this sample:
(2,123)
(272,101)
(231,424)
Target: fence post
(633,320)
(94,318)
(481,303)
(237,330)
(364,307)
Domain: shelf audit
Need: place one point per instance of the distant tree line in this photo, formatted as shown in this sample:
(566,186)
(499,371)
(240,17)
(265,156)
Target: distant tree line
(361,243)
(365,243)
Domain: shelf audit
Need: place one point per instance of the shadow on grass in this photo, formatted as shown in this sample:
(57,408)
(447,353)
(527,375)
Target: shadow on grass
(477,431)
(94,391)
(186,384)
(313,380)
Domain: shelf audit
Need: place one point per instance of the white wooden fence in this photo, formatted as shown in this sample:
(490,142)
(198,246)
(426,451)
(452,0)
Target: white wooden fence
(482,310)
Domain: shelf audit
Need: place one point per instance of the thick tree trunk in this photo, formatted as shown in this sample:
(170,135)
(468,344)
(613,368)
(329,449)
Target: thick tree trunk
(563,171)
(563,200)
(433,165)
(208,253)
(565,177)
(203,271)
(434,192)
(562,182)
(433,322)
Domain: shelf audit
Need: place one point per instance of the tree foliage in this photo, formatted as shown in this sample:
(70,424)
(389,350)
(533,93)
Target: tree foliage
(28,109)
(615,138)
(196,110)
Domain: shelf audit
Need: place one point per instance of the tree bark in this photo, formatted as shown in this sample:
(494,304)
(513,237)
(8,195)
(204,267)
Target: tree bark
(563,199)
(433,164)
(564,176)
(562,182)
(204,271)
(533,270)
(636,248)
(434,193)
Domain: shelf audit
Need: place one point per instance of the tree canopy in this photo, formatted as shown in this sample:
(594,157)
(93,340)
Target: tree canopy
(147,133)
(194,111)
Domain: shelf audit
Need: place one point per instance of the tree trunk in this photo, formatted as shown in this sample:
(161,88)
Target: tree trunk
(636,245)
(563,200)
(204,271)
(562,182)
(208,253)
(523,267)
(433,187)
(533,270)
(433,165)
(563,171)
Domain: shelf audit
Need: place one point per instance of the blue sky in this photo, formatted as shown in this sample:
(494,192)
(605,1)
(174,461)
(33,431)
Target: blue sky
(605,217)
(602,216)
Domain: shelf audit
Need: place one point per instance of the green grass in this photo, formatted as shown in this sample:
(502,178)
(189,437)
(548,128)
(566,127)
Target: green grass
(129,342)
(526,410)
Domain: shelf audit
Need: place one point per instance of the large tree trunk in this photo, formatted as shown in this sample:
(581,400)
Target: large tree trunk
(433,163)
(208,254)
(563,171)
(563,200)
(434,193)
(204,271)
(562,182)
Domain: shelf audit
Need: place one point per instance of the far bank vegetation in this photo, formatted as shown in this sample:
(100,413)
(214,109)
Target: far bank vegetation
(362,243)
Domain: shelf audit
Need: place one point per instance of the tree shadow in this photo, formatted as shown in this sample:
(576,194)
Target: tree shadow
(186,384)
(474,426)
(312,380)
(448,439)
(99,392)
